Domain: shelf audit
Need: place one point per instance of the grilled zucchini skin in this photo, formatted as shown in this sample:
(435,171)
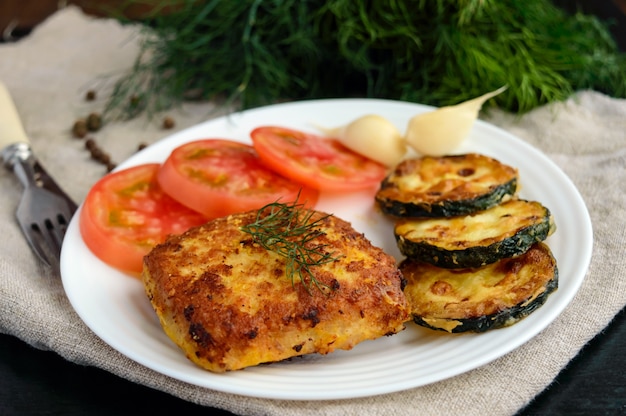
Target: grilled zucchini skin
(499,320)
(448,208)
(480,299)
(446,186)
(505,230)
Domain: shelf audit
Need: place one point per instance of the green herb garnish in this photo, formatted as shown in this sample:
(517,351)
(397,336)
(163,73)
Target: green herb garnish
(290,230)
(438,52)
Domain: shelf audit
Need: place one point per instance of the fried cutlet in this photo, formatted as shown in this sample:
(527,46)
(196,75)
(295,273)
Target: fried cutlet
(229,303)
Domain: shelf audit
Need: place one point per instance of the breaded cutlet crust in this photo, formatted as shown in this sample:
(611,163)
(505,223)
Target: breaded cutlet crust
(228,304)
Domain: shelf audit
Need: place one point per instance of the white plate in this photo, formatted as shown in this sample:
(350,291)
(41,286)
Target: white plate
(115,307)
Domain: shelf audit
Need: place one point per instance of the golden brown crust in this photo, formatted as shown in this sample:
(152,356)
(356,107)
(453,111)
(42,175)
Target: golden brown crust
(483,228)
(430,179)
(438,293)
(228,303)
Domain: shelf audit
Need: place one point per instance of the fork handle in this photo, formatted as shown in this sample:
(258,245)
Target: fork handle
(11,129)
(13,139)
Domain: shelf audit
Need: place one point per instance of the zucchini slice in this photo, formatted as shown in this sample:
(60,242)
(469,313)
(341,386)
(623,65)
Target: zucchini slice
(474,240)
(446,186)
(480,299)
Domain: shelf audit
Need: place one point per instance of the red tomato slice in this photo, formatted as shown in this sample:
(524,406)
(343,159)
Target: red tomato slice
(318,162)
(126,213)
(218,177)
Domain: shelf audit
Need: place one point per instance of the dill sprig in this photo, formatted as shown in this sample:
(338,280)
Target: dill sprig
(290,231)
(440,52)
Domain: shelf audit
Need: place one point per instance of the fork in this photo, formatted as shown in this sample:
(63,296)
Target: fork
(44,210)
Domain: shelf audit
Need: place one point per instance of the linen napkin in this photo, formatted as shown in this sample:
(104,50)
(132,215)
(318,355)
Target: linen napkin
(48,74)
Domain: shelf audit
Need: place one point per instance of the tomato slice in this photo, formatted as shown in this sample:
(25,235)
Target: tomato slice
(126,213)
(318,162)
(218,177)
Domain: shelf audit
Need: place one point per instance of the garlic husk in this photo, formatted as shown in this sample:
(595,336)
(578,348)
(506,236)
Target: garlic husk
(374,137)
(440,131)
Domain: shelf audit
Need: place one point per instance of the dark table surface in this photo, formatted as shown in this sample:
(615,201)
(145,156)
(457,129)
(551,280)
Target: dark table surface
(34,382)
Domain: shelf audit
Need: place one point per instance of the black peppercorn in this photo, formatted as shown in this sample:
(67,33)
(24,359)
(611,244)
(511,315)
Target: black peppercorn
(90,144)
(168,123)
(79,130)
(94,122)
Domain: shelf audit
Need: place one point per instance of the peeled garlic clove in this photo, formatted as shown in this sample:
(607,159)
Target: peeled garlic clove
(374,137)
(440,131)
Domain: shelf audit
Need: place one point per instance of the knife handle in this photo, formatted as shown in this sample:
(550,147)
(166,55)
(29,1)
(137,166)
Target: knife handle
(11,129)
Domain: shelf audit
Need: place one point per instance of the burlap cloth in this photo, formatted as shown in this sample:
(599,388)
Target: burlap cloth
(48,74)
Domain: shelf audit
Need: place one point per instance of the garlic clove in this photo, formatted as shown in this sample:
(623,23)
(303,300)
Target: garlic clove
(440,131)
(372,136)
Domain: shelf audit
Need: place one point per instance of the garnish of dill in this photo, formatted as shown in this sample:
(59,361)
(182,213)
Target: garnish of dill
(290,230)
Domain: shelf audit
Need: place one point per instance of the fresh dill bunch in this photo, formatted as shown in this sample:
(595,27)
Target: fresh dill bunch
(436,52)
(290,231)
(249,52)
(444,52)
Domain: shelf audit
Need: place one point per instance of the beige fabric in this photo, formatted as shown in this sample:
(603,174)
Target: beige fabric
(48,74)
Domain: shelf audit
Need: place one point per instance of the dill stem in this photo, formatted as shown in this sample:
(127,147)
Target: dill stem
(289,230)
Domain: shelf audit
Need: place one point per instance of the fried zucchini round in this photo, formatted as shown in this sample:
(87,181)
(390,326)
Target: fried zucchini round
(480,299)
(446,186)
(474,240)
